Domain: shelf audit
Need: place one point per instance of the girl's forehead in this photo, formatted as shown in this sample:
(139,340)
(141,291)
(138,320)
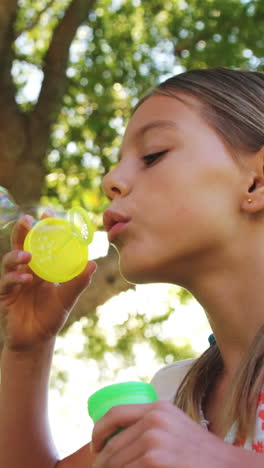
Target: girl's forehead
(178,111)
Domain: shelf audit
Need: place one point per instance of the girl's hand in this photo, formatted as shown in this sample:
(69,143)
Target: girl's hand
(157,435)
(32,310)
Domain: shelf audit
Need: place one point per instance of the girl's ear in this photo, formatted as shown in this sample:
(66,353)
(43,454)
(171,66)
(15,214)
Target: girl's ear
(253,200)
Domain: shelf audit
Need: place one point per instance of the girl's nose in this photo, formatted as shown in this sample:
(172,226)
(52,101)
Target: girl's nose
(115,184)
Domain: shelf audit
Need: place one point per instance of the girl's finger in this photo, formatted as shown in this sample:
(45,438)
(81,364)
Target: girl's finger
(12,260)
(116,418)
(20,231)
(21,228)
(11,280)
(122,448)
(47,214)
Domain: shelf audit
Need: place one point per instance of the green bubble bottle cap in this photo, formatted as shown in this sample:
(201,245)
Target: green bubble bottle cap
(59,247)
(124,393)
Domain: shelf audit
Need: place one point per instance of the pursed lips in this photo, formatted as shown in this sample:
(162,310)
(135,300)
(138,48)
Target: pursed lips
(114,222)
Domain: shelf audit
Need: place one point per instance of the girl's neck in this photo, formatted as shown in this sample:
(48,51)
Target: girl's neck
(233,299)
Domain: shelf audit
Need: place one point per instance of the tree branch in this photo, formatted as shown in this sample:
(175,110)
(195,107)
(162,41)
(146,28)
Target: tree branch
(7,16)
(30,25)
(8,10)
(56,60)
(107,282)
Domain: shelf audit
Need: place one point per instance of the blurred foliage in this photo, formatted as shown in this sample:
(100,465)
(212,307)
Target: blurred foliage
(127,336)
(184,296)
(122,50)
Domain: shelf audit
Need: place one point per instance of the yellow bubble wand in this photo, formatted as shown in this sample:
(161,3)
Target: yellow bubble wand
(59,247)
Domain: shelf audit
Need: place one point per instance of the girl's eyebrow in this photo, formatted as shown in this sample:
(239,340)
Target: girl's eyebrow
(149,126)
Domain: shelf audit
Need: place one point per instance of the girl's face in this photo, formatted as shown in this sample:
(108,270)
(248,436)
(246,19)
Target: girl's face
(178,186)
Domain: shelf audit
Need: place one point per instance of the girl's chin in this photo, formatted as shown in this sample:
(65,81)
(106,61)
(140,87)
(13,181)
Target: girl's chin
(138,270)
(132,276)
(143,273)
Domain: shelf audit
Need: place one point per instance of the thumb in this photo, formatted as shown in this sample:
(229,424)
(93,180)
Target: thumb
(72,289)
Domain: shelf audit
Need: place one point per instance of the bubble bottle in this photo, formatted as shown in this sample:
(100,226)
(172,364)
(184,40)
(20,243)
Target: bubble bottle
(59,246)
(124,393)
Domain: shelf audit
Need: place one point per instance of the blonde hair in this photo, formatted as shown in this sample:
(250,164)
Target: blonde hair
(241,400)
(232,102)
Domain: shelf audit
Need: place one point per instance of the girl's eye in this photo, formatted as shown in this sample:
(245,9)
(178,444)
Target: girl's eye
(151,158)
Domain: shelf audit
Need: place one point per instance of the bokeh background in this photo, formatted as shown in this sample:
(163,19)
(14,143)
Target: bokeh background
(70,73)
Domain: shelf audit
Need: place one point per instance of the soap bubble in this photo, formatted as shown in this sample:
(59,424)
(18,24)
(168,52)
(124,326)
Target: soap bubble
(9,210)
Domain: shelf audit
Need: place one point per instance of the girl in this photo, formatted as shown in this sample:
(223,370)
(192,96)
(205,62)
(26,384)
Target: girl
(187,207)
